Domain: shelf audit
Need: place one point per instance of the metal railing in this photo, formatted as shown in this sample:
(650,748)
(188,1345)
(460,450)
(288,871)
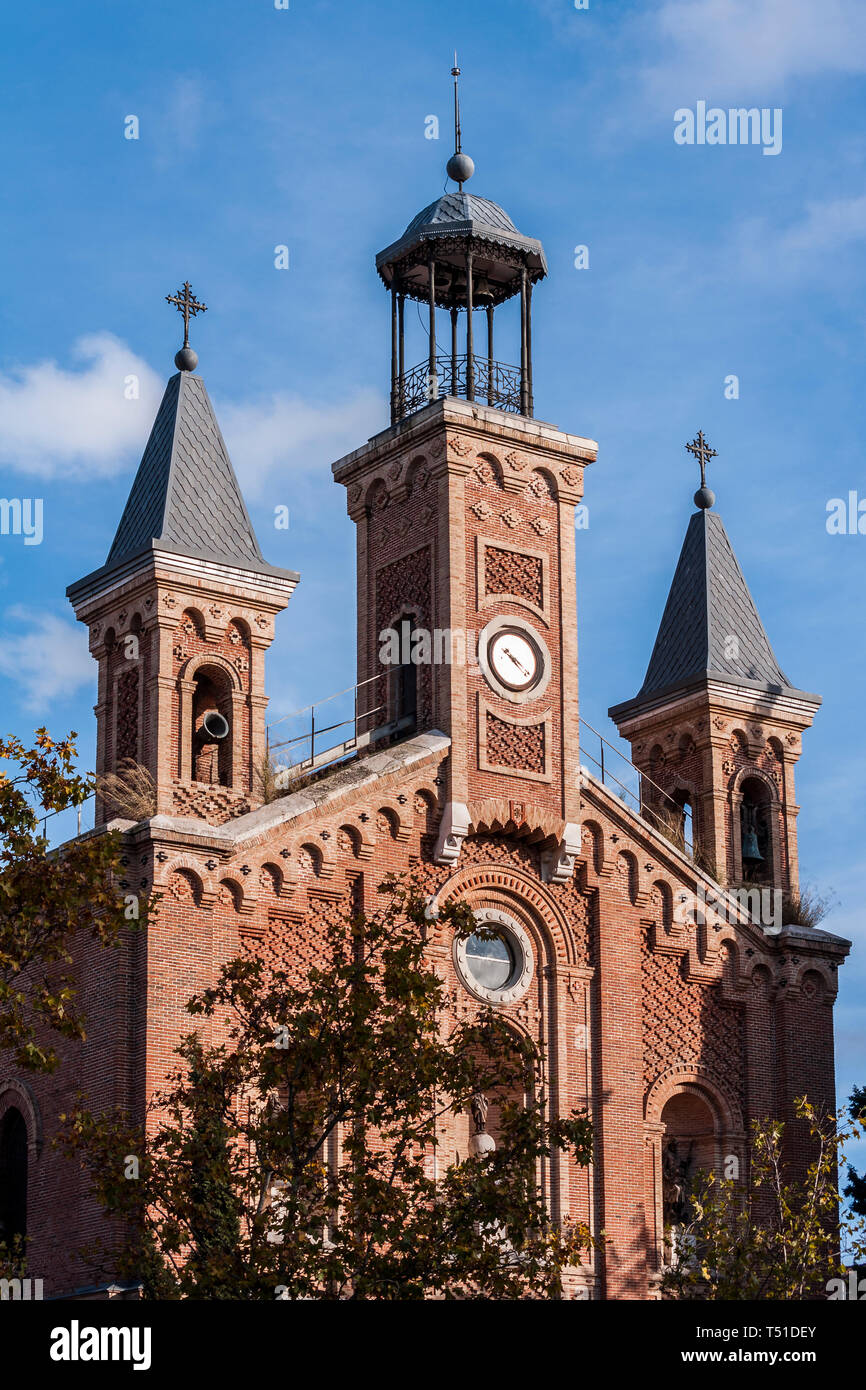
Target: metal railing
(496,383)
(76,820)
(635,788)
(315,746)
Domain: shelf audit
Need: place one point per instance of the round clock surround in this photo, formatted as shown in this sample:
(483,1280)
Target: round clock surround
(514,659)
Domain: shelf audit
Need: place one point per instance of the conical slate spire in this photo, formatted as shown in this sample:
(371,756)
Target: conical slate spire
(710,628)
(185,496)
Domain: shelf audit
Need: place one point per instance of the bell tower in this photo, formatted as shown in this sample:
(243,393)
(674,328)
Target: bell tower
(465,510)
(716,727)
(181,614)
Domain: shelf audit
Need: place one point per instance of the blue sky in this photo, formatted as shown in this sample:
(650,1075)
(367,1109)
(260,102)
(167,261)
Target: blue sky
(306,127)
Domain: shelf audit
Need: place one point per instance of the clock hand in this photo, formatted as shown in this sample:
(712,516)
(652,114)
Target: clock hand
(519,666)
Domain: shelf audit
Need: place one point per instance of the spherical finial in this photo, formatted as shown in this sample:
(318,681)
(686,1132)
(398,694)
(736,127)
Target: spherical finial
(186,359)
(460,167)
(704,498)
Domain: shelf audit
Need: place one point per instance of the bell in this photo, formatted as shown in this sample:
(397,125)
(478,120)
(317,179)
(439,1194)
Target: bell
(482,294)
(214,727)
(751,852)
(458,287)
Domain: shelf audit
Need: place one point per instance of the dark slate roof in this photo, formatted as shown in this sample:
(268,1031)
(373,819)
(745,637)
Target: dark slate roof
(709,603)
(463,215)
(462,207)
(185,494)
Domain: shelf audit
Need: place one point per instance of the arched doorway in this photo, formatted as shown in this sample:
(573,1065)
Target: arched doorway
(692,1127)
(13,1176)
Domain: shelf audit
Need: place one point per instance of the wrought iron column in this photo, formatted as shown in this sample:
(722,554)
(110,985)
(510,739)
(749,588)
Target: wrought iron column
(490,354)
(454,350)
(394,415)
(524,376)
(401,365)
(431,367)
(470,353)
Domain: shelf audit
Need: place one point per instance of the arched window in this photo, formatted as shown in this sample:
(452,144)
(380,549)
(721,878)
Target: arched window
(211,724)
(685,811)
(755,843)
(405,689)
(13,1175)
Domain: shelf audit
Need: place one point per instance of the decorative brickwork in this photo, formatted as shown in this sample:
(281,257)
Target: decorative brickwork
(487,473)
(127,716)
(507,572)
(214,804)
(498,849)
(185,887)
(686,1025)
(519,746)
(539,487)
(404,586)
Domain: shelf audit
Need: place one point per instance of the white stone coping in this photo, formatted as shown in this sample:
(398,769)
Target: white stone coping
(333,785)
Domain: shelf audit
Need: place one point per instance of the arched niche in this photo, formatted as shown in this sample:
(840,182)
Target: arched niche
(541,486)
(756,849)
(693,1127)
(14,1166)
(211,684)
(466,1141)
(488,471)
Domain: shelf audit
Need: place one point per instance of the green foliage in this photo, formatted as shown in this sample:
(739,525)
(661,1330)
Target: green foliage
(236,1196)
(855,1191)
(48,899)
(784,1240)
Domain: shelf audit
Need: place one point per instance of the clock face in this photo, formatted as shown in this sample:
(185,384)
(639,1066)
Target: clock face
(514,659)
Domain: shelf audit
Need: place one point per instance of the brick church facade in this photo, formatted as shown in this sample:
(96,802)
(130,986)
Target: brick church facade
(674,1028)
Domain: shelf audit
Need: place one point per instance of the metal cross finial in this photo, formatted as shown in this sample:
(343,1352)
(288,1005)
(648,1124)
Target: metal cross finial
(186,303)
(703,453)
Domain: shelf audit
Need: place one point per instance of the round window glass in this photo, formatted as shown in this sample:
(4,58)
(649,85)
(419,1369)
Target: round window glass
(490,961)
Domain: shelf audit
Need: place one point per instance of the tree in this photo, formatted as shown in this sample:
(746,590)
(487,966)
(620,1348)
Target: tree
(781,1239)
(856,1188)
(50,900)
(238,1194)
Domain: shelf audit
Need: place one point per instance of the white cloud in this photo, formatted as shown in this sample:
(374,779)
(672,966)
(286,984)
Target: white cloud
(46,657)
(54,421)
(178,125)
(811,245)
(288,435)
(59,422)
(740,49)
(829,226)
